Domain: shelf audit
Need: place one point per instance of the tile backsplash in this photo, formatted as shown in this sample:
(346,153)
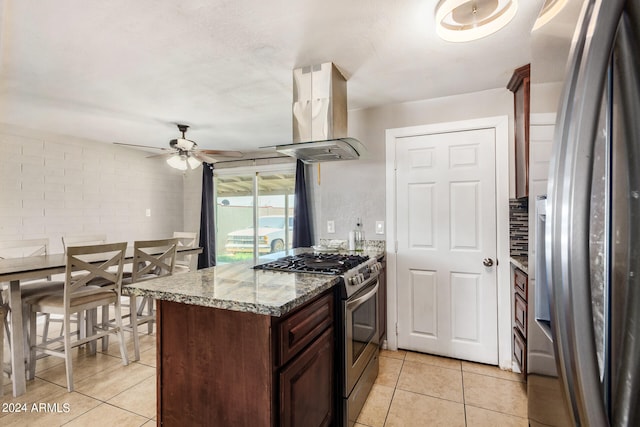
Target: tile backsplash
(519,227)
(369,245)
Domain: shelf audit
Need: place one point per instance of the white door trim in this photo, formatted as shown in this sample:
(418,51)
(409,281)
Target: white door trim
(501,126)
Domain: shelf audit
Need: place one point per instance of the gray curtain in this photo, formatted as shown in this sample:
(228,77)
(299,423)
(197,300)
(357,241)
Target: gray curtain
(207,225)
(301,222)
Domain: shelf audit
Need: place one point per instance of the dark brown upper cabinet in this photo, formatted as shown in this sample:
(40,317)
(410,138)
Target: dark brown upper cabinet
(520,86)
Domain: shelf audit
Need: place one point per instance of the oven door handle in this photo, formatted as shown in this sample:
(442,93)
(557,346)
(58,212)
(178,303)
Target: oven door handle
(361,300)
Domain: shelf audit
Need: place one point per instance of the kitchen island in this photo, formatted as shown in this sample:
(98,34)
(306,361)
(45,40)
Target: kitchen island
(238,346)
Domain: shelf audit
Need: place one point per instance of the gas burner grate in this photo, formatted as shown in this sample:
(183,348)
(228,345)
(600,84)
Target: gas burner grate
(334,264)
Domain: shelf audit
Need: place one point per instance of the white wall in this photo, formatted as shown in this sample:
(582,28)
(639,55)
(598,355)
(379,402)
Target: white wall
(545,97)
(350,189)
(54,185)
(192,199)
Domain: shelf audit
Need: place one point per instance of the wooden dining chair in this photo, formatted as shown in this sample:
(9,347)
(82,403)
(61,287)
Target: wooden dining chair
(151,259)
(84,265)
(83,240)
(24,248)
(31,288)
(86,240)
(186,239)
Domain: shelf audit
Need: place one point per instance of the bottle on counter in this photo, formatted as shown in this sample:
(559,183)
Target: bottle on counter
(359,236)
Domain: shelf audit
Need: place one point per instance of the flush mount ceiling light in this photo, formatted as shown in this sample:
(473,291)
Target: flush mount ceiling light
(550,9)
(467,20)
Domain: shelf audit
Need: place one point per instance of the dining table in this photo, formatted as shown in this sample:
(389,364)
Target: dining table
(17,270)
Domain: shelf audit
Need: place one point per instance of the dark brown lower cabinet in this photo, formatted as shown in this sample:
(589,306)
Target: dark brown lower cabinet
(227,368)
(520,316)
(306,393)
(520,351)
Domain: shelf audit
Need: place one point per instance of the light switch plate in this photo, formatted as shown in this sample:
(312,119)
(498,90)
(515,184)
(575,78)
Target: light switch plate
(331,226)
(379,227)
(148,212)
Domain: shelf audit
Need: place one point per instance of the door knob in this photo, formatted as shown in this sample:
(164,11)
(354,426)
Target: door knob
(488,262)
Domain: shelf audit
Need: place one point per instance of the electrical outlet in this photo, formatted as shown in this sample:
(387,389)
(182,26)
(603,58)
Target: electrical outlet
(331,226)
(379,227)
(148,212)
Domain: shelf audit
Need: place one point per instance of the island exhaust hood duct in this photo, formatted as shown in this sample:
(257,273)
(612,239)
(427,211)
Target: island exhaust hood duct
(320,116)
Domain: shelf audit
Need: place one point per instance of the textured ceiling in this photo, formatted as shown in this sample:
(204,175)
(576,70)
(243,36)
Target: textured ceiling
(127,71)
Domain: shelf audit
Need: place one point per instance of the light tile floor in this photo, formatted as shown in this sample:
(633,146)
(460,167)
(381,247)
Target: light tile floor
(415,389)
(106,392)
(412,389)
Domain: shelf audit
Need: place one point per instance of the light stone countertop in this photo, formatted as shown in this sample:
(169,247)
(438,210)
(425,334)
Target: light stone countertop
(521,262)
(239,287)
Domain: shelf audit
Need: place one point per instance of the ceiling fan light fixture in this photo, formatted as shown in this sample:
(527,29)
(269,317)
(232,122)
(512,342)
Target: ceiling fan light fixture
(184,153)
(193,162)
(177,162)
(467,20)
(183,144)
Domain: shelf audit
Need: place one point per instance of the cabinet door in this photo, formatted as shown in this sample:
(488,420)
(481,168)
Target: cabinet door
(520,351)
(520,314)
(307,386)
(520,283)
(519,85)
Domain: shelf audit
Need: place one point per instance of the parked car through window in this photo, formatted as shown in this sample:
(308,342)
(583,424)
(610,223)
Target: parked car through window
(271,236)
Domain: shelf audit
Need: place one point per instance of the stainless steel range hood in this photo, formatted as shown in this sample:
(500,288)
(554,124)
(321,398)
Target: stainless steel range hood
(320,116)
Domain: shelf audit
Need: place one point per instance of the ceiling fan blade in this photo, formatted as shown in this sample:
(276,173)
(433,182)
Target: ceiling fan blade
(141,146)
(204,157)
(221,153)
(165,155)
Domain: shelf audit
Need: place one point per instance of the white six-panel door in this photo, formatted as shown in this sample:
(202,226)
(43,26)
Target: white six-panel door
(446,233)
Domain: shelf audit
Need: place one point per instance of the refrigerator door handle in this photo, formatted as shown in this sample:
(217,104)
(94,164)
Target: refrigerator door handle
(568,211)
(626,376)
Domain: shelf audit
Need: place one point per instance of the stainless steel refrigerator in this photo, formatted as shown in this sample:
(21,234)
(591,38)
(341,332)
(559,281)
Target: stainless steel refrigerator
(589,310)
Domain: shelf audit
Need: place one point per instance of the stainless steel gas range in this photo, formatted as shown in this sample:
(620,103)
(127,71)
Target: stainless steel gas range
(357,314)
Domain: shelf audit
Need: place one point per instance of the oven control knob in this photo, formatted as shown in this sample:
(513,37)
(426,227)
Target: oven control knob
(357,279)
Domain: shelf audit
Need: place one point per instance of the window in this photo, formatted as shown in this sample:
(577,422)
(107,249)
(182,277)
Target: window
(252,208)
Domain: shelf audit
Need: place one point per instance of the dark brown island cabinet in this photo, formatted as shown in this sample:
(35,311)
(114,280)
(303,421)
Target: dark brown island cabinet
(220,367)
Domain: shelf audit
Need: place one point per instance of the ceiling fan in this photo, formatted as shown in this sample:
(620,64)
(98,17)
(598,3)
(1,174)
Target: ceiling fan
(184,153)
